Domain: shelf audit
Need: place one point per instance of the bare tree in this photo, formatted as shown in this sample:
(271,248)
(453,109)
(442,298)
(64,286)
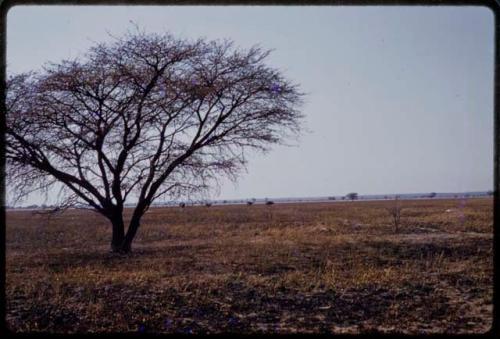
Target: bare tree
(145,116)
(395,213)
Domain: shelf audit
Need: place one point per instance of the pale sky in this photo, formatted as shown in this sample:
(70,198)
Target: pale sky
(400,99)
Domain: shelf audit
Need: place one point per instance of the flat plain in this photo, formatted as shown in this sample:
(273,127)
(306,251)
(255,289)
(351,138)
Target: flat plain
(336,267)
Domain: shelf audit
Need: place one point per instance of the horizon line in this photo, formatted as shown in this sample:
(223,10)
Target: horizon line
(385,196)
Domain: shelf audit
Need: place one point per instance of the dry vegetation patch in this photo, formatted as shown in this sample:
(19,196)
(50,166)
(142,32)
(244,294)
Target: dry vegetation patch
(286,268)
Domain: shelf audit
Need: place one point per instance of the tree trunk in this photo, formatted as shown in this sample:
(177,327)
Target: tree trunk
(118,233)
(126,245)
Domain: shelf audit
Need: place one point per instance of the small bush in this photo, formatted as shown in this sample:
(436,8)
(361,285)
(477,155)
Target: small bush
(395,213)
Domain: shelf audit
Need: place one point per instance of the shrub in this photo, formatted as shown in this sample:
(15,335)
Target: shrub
(395,213)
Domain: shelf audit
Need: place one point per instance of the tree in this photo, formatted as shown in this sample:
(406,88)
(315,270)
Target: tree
(432,194)
(144,116)
(352,196)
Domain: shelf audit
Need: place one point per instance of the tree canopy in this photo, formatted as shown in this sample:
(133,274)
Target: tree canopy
(144,116)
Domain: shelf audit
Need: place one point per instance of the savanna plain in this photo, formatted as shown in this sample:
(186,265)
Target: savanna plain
(338,267)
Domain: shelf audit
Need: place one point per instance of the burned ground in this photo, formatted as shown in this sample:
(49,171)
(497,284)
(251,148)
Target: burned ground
(308,268)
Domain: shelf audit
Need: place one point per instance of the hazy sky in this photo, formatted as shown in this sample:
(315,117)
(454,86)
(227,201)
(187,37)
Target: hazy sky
(400,99)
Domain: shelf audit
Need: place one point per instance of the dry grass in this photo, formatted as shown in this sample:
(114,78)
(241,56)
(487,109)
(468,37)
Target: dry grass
(307,268)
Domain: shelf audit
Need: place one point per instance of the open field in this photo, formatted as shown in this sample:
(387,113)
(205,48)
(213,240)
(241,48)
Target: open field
(307,268)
